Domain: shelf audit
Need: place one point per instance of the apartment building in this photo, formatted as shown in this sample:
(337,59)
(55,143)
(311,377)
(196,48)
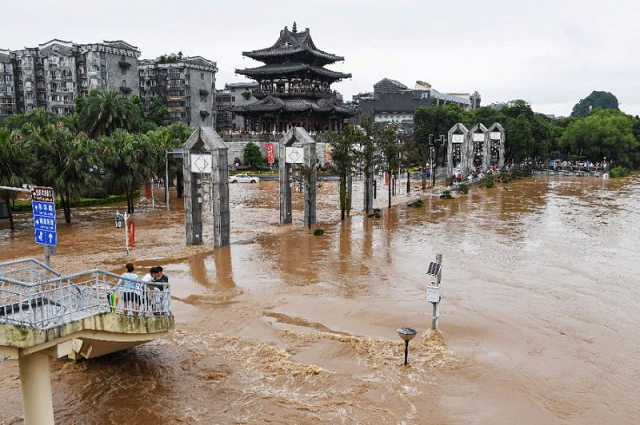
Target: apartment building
(53,74)
(185,84)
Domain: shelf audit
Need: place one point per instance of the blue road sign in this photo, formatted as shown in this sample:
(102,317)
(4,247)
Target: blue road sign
(45,237)
(44,223)
(44,209)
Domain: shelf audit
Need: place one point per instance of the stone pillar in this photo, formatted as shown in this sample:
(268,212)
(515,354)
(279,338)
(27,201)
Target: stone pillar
(192,203)
(310,186)
(285,186)
(220,199)
(35,383)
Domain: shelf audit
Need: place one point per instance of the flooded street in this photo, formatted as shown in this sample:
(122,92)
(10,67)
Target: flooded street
(539,315)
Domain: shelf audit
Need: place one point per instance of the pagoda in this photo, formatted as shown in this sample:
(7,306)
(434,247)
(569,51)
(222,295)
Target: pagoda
(294,87)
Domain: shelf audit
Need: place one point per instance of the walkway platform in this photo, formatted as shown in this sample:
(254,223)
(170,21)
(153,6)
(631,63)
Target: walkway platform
(83,315)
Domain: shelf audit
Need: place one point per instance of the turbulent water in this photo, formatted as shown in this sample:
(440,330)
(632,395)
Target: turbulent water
(539,315)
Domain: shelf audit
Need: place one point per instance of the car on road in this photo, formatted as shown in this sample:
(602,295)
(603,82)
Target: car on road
(243,178)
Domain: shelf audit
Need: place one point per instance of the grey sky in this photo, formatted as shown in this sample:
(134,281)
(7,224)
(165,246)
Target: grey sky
(550,53)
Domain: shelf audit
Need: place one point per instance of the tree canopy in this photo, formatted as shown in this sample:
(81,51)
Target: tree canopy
(597,99)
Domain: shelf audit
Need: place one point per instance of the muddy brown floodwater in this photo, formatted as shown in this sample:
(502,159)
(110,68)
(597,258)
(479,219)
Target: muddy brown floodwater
(539,316)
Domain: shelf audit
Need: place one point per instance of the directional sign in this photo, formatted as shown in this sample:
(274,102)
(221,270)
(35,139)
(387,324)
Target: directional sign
(45,237)
(44,216)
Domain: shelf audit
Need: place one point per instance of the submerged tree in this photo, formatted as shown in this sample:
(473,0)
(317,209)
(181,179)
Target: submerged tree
(343,156)
(16,162)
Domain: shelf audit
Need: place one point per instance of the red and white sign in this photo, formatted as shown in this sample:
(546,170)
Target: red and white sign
(270,153)
(42,194)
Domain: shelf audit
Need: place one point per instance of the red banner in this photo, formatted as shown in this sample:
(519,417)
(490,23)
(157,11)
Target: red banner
(132,233)
(147,189)
(270,153)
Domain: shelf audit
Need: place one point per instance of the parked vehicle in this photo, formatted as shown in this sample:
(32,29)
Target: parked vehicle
(243,178)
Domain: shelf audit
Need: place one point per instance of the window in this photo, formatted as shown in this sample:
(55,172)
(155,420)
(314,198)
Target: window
(202,75)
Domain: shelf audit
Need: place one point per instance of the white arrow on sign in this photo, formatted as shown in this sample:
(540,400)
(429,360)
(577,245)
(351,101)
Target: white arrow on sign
(50,237)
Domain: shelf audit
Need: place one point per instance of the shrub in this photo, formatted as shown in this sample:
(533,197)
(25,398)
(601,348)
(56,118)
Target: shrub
(618,172)
(446,195)
(463,188)
(417,203)
(318,232)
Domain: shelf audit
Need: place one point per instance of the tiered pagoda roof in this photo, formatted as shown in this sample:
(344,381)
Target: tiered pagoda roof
(294,44)
(275,104)
(293,78)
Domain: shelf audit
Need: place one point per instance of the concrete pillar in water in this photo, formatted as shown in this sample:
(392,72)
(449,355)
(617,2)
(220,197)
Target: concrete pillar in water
(35,383)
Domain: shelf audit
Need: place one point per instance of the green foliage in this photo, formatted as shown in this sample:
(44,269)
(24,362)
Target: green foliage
(252,155)
(103,112)
(318,232)
(158,111)
(597,99)
(618,171)
(604,133)
(446,194)
(463,188)
(343,157)
(489,182)
(417,203)
(170,58)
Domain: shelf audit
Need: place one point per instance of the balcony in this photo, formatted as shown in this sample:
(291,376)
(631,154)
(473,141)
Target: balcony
(204,93)
(204,114)
(125,89)
(124,64)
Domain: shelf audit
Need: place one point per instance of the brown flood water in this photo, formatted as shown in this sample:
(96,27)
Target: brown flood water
(539,312)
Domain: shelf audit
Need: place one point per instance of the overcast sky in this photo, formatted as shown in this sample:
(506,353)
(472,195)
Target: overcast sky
(550,53)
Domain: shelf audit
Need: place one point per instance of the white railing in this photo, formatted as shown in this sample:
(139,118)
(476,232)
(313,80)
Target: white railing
(41,301)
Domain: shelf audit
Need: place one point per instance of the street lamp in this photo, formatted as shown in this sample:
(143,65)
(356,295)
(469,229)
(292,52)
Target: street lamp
(119,220)
(407,334)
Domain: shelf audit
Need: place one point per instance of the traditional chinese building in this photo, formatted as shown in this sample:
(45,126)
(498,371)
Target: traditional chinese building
(294,87)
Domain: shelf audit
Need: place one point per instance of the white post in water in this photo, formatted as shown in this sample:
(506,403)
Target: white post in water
(433,290)
(35,383)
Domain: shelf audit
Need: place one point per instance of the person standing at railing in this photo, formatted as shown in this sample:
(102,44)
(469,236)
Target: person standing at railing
(130,295)
(159,295)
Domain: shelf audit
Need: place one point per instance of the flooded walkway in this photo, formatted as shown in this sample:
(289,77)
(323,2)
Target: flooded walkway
(539,312)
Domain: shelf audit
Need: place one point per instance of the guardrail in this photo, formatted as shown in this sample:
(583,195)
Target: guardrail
(48,302)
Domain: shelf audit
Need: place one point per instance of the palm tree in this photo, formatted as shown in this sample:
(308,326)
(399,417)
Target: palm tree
(130,160)
(67,163)
(101,113)
(16,161)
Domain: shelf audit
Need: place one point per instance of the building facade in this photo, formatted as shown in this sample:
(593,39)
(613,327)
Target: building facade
(294,87)
(52,75)
(186,86)
(233,95)
(393,102)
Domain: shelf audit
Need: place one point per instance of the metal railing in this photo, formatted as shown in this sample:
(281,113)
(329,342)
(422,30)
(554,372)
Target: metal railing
(31,294)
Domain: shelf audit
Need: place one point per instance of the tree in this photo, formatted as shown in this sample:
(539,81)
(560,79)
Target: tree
(604,133)
(129,160)
(597,99)
(16,161)
(66,162)
(343,156)
(103,112)
(252,155)
(367,156)
(436,121)
(390,151)
(157,111)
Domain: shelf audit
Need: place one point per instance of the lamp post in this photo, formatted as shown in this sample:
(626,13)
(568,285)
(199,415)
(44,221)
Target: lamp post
(407,334)
(119,220)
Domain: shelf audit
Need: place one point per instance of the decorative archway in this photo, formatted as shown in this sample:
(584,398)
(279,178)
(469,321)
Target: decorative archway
(205,153)
(458,150)
(479,147)
(304,153)
(496,144)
